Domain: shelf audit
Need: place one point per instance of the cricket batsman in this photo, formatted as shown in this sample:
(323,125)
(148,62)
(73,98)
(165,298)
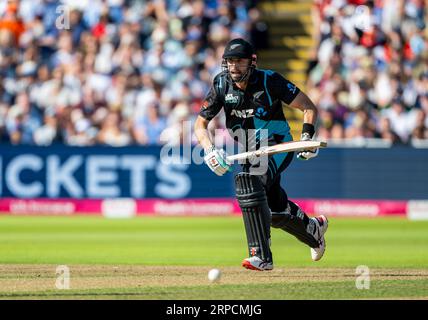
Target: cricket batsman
(252,100)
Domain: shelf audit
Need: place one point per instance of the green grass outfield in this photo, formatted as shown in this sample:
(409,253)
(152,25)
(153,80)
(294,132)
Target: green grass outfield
(133,258)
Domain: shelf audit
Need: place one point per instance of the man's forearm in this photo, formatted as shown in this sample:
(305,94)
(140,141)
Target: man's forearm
(204,139)
(310,115)
(309,120)
(201,132)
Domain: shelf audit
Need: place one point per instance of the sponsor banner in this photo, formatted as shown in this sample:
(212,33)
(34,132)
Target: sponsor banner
(60,207)
(189,207)
(120,207)
(417,210)
(128,207)
(354,208)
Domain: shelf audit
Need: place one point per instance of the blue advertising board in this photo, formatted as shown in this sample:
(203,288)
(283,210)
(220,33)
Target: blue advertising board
(137,172)
(103,172)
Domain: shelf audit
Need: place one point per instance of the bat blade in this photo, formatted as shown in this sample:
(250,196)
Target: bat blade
(279,148)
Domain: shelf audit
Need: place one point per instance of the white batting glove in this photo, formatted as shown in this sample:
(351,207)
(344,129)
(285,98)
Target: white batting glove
(307,154)
(216,160)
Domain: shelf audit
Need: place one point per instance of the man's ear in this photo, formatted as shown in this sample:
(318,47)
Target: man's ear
(254,60)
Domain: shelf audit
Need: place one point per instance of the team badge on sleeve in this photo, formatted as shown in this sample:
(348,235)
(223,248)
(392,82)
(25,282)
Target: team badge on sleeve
(205,104)
(291,87)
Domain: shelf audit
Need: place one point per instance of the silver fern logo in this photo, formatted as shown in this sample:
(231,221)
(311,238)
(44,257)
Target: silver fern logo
(258,94)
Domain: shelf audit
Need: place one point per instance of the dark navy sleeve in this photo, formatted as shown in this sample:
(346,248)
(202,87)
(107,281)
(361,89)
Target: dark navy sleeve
(282,88)
(212,103)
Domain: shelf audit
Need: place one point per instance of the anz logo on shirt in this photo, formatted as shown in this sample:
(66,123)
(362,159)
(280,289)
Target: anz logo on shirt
(248,113)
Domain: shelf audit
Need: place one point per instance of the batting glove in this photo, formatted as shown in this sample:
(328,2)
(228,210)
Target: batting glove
(216,160)
(307,154)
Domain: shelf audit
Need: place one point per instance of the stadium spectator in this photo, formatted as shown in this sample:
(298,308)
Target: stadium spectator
(22,120)
(111,132)
(420,132)
(371,69)
(11,22)
(386,132)
(148,129)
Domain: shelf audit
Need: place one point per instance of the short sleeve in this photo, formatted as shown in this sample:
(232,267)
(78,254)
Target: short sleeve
(283,89)
(211,105)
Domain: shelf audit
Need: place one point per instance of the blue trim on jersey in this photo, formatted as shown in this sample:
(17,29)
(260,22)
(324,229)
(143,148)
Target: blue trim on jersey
(274,127)
(279,158)
(220,85)
(275,161)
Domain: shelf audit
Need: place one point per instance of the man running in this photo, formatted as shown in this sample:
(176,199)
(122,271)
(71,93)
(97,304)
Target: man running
(252,100)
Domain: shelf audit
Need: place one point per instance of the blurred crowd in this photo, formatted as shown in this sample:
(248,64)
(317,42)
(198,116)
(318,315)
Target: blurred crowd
(369,73)
(111,72)
(121,72)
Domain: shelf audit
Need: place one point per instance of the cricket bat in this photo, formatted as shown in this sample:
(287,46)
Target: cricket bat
(278,148)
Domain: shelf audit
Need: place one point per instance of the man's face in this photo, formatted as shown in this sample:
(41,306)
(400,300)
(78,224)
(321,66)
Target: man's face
(237,67)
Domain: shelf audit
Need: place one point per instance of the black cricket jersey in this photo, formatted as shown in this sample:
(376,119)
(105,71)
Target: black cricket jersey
(258,107)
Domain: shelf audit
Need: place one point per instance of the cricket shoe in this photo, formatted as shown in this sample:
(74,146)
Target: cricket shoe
(255,263)
(321,223)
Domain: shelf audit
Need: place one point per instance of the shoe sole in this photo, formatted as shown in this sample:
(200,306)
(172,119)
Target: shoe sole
(319,258)
(247,265)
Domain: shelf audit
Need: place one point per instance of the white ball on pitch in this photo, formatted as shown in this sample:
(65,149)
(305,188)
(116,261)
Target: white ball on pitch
(214,275)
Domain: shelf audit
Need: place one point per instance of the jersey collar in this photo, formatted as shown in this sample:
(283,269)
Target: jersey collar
(253,77)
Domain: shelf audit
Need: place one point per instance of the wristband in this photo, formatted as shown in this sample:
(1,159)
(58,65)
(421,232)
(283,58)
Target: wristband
(309,129)
(210,149)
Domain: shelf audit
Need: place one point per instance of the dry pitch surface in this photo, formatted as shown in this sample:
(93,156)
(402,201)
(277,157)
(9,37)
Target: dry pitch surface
(170,282)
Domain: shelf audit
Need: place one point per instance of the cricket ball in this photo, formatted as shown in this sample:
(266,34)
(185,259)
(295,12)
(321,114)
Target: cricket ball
(214,275)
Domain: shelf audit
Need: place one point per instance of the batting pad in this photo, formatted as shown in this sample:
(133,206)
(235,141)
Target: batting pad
(256,214)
